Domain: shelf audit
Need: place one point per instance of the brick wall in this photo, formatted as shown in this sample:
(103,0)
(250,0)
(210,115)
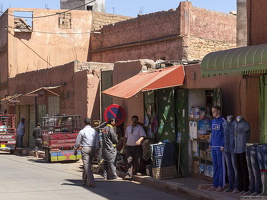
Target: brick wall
(184,33)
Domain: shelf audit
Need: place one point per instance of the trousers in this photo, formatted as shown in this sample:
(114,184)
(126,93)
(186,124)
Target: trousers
(87,157)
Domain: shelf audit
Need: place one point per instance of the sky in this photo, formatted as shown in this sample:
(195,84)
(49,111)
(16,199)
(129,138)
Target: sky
(127,7)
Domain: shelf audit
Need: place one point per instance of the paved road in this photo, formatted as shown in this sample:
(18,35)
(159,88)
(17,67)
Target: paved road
(25,177)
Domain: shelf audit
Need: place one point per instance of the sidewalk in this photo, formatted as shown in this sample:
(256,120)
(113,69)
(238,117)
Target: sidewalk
(195,186)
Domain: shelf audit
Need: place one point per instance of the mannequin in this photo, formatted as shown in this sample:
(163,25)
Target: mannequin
(228,148)
(242,134)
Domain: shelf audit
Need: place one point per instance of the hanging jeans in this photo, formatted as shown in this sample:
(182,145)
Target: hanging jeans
(231,169)
(218,166)
(253,169)
(262,157)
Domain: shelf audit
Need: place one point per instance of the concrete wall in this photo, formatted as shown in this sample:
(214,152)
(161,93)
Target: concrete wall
(184,33)
(48,45)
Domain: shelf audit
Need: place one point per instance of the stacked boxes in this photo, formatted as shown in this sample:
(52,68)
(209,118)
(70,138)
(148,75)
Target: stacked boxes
(163,160)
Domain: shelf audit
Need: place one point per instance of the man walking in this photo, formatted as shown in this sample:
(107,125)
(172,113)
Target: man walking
(21,132)
(88,139)
(134,135)
(216,143)
(109,151)
(37,135)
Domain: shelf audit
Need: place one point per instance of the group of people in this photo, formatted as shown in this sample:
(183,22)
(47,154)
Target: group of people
(88,140)
(229,144)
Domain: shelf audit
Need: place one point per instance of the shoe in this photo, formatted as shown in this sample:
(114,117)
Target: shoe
(228,190)
(127,177)
(212,188)
(219,189)
(91,186)
(235,191)
(117,178)
(255,194)
(138,174)
(247,193)
(84,182)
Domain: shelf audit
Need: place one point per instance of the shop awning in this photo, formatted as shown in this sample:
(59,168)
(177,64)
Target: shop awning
(13,98)
(144,81)
(38,91)
(243,60)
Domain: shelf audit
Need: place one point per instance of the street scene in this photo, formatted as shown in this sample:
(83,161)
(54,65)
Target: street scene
(106,99)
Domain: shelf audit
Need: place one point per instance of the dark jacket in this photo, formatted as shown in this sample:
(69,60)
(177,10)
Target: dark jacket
(242,134)
(37,134)
(109,142)
(229,135)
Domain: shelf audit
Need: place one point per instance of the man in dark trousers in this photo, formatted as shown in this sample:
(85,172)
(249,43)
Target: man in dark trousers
(216,143)
(134,136)
(88,139)
(37,135)
(109,150)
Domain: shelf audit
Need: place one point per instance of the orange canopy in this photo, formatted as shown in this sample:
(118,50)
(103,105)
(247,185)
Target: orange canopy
(161,78)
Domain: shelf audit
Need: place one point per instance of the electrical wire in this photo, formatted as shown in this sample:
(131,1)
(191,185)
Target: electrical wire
(49,15)
(32,50)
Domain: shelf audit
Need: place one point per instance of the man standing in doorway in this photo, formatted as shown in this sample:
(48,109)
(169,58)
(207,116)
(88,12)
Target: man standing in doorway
(88,139)
(216,143)
(134,136)
(21,132)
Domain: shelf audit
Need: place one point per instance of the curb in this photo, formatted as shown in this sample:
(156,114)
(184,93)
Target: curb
(28,152)
(165,186)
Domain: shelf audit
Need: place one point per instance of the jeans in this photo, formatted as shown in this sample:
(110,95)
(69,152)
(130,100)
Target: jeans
(218,166)
(243,177)
(253,169)
(231,169)
(262,156)
(87,157)
(20,141)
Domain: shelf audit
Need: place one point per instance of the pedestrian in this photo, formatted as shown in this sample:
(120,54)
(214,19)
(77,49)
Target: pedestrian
(109,151)
(21,132)
(134,136)
(37,135)
(216,142)
(88,139)
(242,134)
(229,146)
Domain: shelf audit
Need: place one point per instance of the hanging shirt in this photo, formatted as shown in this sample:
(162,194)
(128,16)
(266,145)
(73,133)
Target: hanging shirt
(217,135)
(242,134)
(229,135)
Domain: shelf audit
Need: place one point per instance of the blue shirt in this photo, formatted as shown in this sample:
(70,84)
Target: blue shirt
(87,137)
(217,135)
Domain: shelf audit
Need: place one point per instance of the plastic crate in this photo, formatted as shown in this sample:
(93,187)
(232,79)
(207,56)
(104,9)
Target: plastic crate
(163,161)
(164,172)
(163,149)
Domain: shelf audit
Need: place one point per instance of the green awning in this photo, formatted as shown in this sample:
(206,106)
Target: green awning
(243,60)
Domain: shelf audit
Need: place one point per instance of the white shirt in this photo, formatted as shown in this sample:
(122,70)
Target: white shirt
(134,134)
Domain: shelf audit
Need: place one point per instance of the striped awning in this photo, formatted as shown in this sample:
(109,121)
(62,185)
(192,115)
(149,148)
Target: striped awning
(243,60)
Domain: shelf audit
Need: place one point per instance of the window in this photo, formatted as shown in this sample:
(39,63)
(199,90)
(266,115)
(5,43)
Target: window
(64,20)
(23,21)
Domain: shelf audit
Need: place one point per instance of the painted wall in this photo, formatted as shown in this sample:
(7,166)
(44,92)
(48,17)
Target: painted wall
(79,91)
(184,33)
(48,45)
